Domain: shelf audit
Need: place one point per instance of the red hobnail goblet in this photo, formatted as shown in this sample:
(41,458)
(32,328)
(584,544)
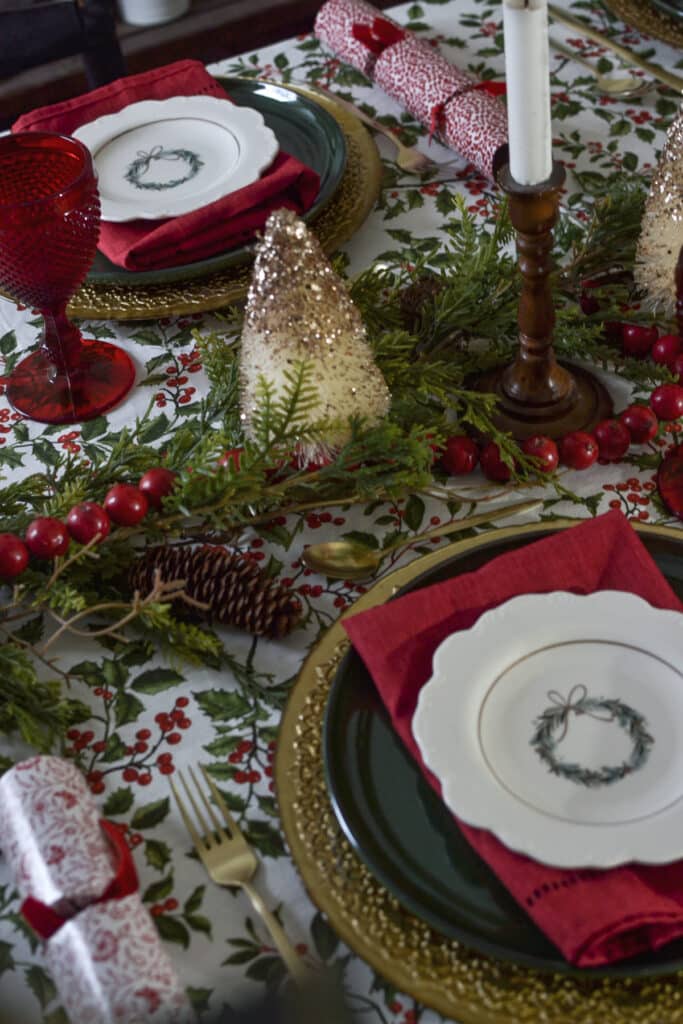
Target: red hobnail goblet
(49,226)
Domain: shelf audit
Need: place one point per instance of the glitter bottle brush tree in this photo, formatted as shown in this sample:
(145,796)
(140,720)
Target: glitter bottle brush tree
(662,227)
(299,311)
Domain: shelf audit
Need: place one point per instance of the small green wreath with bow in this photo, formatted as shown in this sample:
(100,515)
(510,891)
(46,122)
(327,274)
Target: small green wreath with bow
(553,723)
(141,165)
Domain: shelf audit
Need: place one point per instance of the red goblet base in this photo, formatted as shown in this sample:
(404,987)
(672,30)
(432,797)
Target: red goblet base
(38,389)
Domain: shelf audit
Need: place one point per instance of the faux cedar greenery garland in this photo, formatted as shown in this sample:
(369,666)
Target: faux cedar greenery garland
(427,348)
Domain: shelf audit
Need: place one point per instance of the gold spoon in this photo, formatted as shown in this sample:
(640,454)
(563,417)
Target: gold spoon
(349,560)
(626,87)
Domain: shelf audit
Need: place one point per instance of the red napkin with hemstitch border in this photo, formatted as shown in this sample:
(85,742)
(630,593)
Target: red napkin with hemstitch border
(217,227)
(593,916)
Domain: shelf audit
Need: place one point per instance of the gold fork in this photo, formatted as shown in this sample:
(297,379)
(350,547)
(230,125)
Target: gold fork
(229,860)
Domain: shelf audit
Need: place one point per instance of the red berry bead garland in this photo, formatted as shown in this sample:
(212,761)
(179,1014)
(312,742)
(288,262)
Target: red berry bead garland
(125,505)
(156,484)
(579,450)
(613,440)
(542,448)
(666,401)
(641,423)
(13,556)
(460,455)
(47,537)
(85,521)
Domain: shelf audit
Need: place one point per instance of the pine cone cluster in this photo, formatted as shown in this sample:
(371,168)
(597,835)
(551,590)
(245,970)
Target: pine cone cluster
(237,592)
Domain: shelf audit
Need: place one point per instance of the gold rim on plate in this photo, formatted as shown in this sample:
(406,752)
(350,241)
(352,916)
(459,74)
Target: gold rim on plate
(649,19)
(437,971)
(340,219)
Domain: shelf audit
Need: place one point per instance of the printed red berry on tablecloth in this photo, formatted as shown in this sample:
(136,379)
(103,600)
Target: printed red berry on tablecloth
(637,340)
(460,455)
(665,350)
(666,401)
(86,520)
(613,440)
(579,449)
(156,484)
(641,423)
(231,458)
(13,556)
(125,504)
(542,448)
(492,465)
(47,537)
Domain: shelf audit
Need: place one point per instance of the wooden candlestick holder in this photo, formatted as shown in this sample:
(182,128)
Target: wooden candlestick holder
(536,394)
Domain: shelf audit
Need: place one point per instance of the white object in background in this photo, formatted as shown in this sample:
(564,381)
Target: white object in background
(163,158)
(556,722)
(527,80)
(151,12)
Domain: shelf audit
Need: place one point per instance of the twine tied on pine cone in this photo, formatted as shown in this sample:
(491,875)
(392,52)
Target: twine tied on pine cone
(234,590)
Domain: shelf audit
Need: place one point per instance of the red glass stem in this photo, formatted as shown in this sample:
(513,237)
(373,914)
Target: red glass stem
(62,340)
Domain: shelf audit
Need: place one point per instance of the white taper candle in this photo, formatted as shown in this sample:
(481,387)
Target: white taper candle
(527,79)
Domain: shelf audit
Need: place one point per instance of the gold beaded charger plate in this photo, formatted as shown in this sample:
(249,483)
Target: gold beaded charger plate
(441,972)
(650,18)
(342,216)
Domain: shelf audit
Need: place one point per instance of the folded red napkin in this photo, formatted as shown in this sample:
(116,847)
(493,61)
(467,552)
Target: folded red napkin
(593,916)
(222,225)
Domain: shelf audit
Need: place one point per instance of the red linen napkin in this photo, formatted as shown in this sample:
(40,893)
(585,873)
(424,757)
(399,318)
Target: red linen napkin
(594,917)
(228,222)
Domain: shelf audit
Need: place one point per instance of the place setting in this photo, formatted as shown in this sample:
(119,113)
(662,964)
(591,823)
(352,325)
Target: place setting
(483,907)
(177,223)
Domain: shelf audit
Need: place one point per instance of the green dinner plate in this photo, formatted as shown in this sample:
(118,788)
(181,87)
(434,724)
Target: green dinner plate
(401,829)
(303,128)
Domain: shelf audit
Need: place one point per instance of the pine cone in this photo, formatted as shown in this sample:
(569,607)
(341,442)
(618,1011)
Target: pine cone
(236,590)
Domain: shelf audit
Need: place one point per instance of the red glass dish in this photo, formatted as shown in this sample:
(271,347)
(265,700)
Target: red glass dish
(49,227)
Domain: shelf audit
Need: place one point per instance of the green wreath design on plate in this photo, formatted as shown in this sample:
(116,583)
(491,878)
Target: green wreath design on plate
(141,165)
(555,720)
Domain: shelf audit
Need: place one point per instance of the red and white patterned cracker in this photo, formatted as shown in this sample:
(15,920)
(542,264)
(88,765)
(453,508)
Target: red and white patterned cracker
(419,77)
(472,122)
(51,836)
(334,28)
(110,968)
(475,125)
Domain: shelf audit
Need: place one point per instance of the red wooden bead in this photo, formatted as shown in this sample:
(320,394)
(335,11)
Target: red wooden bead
(13,556)
(460,455)
(86,520)
(125,505)
(156,484)
(491,463)
(666,401)
(543,448)
(613,439)
(640,422)
(579,450)
(47,537)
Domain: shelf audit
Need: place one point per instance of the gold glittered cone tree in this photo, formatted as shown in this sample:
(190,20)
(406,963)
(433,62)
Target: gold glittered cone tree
(661,234)
(299,311)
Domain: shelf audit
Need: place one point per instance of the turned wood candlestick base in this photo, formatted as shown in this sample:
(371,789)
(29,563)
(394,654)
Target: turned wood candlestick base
(536,394)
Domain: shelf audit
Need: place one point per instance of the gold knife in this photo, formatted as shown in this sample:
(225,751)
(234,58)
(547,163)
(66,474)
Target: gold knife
(667,77)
